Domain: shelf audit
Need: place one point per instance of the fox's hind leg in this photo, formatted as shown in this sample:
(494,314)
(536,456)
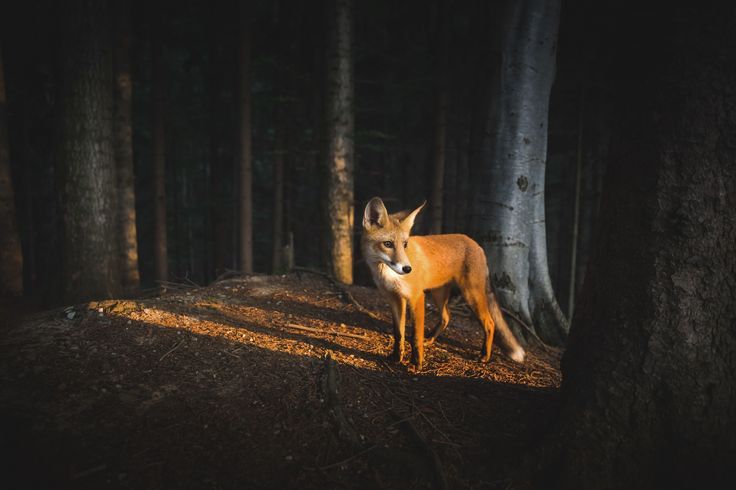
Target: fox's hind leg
(475,295)
(441,297)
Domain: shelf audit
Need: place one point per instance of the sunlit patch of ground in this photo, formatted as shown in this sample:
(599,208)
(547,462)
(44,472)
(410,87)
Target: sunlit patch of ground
(220,387)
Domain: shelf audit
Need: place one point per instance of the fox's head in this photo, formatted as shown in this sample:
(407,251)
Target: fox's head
(386,236)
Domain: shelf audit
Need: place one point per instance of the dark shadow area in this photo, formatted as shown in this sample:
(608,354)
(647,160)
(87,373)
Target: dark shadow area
(99,402)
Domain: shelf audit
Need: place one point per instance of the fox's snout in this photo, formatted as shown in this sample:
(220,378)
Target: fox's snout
(399,268)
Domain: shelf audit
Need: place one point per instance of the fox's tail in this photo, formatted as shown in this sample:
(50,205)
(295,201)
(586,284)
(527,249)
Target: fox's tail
(511,346)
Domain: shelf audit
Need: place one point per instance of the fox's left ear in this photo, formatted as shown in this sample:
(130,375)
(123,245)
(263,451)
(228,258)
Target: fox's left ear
(408,222)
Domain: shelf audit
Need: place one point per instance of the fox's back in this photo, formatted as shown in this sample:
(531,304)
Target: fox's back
(440,259)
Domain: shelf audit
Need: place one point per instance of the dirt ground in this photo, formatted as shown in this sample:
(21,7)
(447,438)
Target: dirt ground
(231,386)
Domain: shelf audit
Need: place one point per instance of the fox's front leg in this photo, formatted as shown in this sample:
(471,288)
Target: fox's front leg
(417,351)
(398,310)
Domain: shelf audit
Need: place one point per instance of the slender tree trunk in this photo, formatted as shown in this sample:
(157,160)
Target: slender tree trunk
(245,142)
(509,208)
(339,136)
(127,230)
(86,155)
(160,240)
(649,393)
(440,118)
(278,196)
(11,255)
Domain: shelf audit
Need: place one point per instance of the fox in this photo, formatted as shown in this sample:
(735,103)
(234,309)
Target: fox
(405,267)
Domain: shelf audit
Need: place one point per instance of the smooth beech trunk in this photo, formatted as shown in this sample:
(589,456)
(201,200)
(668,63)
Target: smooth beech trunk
(86,155)
(649,392)
(508,203)
(339,142)
(127,231)
(11,255)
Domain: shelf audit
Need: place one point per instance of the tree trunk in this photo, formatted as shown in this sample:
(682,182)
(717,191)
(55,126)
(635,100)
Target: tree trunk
(11,255)
(245,142)
(160,241)
(509,215)
(649,393)
(440,118)
(127,230)
(278,196)
(339,142)
(86,155)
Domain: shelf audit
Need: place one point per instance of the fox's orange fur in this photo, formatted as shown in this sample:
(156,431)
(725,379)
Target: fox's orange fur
(405,267)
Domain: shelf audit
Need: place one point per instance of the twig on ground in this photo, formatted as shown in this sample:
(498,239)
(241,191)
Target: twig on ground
(351,458)
(345,293)
(171,350)
(318,330)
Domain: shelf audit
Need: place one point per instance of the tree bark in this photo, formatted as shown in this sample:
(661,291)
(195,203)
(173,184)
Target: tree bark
(649,393)
(509,213)
(339,142)
(278,196)
(160,240)
(127,230)
(11,255)
(440,118)
(245,142)
(86,155)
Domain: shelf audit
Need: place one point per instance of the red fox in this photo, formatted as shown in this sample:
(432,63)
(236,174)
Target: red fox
(404,267)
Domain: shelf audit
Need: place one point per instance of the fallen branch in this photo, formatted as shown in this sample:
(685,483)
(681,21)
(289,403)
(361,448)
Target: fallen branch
(346,294)
(318,330)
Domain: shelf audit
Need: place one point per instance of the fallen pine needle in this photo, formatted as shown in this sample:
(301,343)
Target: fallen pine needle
(171,350)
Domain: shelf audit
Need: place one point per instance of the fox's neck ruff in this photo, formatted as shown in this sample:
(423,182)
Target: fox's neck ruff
(388,280)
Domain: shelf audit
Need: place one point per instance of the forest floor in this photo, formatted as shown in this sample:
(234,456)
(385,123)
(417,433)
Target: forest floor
(260,382)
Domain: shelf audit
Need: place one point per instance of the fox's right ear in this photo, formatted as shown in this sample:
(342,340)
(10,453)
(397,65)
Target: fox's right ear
(375,214)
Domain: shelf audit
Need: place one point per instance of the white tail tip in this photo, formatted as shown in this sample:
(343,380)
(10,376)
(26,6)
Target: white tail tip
(518,355)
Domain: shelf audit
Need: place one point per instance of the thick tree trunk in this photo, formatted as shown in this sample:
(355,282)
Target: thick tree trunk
(127,231)
(649,392)
(11,256)
(509,216)
(339,142)
(86,155)
(160,240)
(245,203)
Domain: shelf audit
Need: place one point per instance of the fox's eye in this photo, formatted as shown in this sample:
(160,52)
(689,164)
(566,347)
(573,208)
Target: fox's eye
(405,244)
(388,244)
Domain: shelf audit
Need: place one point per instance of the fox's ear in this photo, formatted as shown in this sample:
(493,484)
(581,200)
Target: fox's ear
(375,214)
(408,222)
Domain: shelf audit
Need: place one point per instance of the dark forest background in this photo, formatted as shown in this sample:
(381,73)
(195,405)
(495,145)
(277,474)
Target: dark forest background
(395,58)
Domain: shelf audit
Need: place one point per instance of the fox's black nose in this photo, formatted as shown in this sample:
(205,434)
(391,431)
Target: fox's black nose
(406,269)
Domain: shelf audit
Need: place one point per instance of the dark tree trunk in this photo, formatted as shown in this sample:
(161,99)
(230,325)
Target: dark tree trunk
(86,155)
(339,140)
(245,141)
(649,392)
(436,203)
(127,231)
(11,256)
(509,215)
(160,239)
(278,196)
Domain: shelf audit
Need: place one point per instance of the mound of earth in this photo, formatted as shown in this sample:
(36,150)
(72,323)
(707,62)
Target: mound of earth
(260,382)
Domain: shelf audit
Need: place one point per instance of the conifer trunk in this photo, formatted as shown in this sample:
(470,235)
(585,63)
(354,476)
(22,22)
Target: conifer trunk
(127,230)
(245,203)
(11,255)
(160,239)
(86,155)
(339,142)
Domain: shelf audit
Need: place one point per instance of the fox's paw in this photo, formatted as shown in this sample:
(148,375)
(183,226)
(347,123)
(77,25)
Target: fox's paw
(429,341)
(414,368)
(396,356)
